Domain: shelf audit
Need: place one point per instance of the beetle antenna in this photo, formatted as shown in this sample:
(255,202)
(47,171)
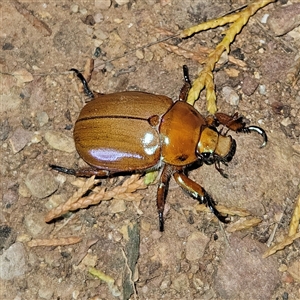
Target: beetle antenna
(86,88)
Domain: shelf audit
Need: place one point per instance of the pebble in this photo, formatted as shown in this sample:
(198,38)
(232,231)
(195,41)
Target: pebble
(42,118)
(9,198)
(117,206)
(98,17)
(294,270)
(20,138)
(139,54)
(35,224)
(13,262)
(7,236)
(100,34)
(249,86)
(4,129)
(230,95)
(60,141)
(45,293)
(262,89)
(195,246)
(122,2)
(74,8)
(181,283)
(284,19)
(41,184)
(102,4)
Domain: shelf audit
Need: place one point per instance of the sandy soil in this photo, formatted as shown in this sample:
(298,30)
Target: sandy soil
(195,257)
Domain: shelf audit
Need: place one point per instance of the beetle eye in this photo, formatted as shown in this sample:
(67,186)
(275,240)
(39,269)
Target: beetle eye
(208,158)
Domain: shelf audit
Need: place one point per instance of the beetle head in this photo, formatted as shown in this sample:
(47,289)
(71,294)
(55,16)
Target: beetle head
(213,147)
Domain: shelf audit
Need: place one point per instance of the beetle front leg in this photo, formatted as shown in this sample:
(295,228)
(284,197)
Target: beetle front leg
(236,123)
(187,85)
(161,194)
(199,193)
(82,172)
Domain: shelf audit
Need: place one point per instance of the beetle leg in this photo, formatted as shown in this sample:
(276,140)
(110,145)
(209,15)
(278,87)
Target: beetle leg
(237,124)
(82,172)
(161,193)
(86,88)
(187,84)
(199,193)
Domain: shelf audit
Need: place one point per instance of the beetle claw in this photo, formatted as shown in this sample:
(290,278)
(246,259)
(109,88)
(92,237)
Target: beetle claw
(211,205)
(260,131)
(161,221)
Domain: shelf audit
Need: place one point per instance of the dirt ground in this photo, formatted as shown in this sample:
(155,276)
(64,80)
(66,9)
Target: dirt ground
(195,257)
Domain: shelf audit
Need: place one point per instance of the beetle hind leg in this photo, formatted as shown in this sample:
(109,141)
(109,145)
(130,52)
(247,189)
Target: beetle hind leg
(82,172)
(197,192)
(161,194)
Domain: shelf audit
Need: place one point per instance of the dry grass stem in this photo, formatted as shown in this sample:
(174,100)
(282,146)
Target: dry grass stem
(294,224)
(243,224)
(125,192)
(287,241)
(233,211)
(55,242)
(293,73)
(205,78)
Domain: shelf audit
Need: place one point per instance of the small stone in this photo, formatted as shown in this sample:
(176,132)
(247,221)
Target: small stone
(262,89)
(122,2)
(7,237)
(45,293)
(102,4)
(90,260)
(35,224)
(196,245)
(249,85)
(13,262)
(42,118)
(230,95)
(100,34)
(4,130)
(264,18)
(294,270)
(60,141)
(139,54)
(41,183)
(117,206)
(284,19)
(21,137)
(74,8)
(286,122)
(9,198)
(98,17)
(180,283)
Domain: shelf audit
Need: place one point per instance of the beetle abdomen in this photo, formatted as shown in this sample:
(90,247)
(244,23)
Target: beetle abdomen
(114,131)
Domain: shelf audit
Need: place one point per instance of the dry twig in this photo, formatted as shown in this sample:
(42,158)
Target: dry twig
(35,22)
(55,242)
(225,210)
(295,219)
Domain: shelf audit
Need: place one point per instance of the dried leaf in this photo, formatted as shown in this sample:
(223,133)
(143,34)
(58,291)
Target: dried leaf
(23,76)
(287,241)
(224,210)
(295,219)
(243,224)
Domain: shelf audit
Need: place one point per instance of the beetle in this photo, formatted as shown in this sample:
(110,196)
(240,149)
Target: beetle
(132,131)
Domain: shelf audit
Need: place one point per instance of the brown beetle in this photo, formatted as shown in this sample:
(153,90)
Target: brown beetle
(130,132)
